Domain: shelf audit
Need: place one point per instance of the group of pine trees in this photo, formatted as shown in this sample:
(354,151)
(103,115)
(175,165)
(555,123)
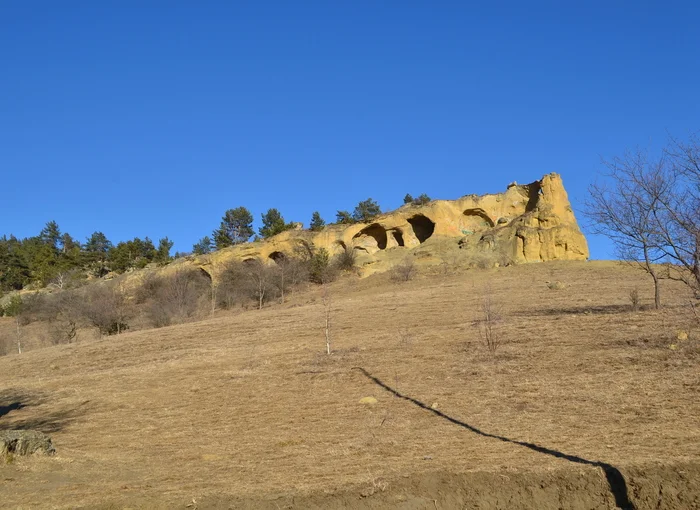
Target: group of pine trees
(58,258)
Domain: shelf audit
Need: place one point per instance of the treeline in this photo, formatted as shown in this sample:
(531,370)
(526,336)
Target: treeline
(58,258)
(179,295)
(53,257)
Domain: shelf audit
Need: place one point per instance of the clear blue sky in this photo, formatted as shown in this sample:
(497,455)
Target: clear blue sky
(152,118)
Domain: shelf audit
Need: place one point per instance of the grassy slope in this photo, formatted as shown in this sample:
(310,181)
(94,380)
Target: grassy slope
(249,405)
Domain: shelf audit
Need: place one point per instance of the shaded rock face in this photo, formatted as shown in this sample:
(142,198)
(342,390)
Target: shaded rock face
(526,223)
(25,442)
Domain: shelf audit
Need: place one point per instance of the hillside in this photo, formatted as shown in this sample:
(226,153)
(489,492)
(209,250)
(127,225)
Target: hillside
(582,403)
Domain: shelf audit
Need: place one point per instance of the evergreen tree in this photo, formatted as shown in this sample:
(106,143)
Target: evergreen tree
(317,222)
(422,199)
(273,223)
(96,249)
(14,269)
(344,218)
(203,246)
(236,227)
(408,199)
(162,256)
(366,211)
(51,234)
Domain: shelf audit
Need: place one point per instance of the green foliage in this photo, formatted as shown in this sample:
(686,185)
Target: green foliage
(344,218)
(236,227)
(203,246)
(14,306)
(317,222)
(273,224)
(95,252)
(320,270)
(132,254)
(162,256)
(14,269)
(366,211)
(421,200)
(51,234)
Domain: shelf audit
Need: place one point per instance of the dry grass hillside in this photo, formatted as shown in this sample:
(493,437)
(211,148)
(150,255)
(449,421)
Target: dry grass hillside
(583,403)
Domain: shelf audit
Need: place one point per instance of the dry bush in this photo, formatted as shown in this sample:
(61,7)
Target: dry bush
(489,321)
(634,299)
(174,298)
(346,260)
(63,312)
(405,271)
(107,308)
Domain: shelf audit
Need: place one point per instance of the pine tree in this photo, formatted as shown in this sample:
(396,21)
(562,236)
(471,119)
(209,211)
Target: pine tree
(317,222)
(236,227)
(344,218)
(203,246)
(408,199)
(51,234)
(162,256)
(273,224)
(366,211)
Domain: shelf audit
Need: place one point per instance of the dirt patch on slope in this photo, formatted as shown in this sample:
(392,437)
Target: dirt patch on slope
(656,486)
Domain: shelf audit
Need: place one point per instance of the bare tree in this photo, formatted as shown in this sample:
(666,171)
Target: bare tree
(651,211)
(489,320)
(625,210)
(326,300)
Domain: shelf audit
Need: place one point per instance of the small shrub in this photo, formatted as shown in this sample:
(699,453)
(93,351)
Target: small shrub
(634,299)
(320,268)
(345,260)
(557,285)
(405,271)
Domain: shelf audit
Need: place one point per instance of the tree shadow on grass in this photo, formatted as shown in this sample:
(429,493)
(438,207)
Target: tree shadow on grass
(47,421)
(576,310)
(616,481)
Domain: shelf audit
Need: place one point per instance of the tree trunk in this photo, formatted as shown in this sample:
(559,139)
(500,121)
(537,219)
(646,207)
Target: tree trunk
(657,289)
(19,336)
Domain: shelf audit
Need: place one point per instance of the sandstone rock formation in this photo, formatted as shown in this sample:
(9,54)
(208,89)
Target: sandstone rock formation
(526,223)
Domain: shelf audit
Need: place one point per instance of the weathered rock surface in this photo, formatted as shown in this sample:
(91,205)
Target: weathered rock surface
(526,223)
(25,442)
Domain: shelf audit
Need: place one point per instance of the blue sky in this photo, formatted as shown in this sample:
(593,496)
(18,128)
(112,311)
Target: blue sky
(153,118)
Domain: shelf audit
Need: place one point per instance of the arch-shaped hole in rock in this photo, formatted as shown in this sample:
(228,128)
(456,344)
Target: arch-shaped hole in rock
(250,261)
(477,219)
(423,227)
(205,273)
(377,232)
(277,256)
(398,237)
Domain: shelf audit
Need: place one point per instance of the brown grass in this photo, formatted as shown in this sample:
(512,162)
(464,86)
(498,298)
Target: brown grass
(249,405)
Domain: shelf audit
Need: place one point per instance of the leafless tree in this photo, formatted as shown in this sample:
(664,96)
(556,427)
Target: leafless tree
(327,314)
(108,308)
(489,321)
(651,211)
(625,210)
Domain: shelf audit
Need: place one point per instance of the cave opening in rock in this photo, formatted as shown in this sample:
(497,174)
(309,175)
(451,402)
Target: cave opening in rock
(477,219)
(277,256)
(377,232)
(398,237)
(423,227)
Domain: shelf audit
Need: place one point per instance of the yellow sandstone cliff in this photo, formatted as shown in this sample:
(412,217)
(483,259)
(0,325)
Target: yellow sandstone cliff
(526,223)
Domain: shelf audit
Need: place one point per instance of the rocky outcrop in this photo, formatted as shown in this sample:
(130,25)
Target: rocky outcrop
(526,223)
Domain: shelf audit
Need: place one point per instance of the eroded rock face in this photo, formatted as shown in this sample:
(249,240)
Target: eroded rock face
(526,223)
(25,442)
